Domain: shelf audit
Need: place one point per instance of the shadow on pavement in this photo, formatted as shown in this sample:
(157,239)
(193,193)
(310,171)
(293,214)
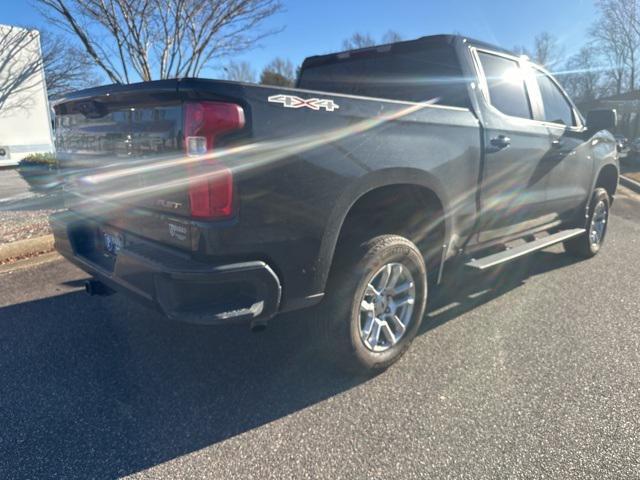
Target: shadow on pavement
(103,388)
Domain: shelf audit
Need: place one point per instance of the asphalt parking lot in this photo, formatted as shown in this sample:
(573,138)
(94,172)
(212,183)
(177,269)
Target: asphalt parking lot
(529,371)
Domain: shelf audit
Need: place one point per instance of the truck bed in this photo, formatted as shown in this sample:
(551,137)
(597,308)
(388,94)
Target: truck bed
(297,169)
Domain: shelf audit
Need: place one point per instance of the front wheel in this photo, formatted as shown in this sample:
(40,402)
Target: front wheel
(375,302)
(589,244)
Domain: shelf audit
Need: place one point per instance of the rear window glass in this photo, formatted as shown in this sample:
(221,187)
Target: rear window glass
(415,73)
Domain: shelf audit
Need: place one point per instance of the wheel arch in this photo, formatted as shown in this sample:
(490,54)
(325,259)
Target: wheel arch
(359,191)
(607,178)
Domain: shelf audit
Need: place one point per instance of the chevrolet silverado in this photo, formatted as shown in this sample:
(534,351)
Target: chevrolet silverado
(217,202)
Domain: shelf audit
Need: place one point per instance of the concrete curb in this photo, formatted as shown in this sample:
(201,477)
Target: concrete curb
(25,248)
(630,184)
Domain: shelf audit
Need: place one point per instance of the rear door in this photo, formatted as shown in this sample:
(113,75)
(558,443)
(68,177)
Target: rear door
(516,174)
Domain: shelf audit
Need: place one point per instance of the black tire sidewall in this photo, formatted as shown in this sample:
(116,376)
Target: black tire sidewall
(599,195)
(398,251)
(581,246)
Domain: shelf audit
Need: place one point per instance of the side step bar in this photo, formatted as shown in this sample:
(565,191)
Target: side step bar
(524,249)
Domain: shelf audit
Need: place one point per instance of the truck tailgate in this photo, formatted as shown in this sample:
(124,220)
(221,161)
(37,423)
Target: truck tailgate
(120,152)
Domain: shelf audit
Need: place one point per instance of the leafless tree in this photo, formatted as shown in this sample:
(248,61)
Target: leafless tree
(391,37)
(364,40)
(66,67)
(133,40)
(547,51)
(616,36)
(358,40)
(521,50)
(240,72)
(20,65)
(582,76)
(278,73)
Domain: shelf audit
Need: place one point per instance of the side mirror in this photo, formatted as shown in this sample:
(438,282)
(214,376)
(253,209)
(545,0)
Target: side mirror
(602,120)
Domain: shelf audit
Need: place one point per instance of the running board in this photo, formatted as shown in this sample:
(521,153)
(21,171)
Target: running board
(524,249)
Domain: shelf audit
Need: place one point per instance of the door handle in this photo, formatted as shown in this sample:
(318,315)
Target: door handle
(500,142)
(556,143)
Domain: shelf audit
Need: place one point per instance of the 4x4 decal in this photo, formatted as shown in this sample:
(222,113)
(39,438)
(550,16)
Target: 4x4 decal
(291,101)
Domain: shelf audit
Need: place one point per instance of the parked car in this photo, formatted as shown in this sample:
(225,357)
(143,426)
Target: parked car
(622,142)
(352,193)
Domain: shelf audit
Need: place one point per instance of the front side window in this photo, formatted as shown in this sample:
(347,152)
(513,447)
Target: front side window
(505,80)
(556,107)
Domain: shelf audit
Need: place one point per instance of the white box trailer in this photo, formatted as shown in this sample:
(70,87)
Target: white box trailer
(25,118)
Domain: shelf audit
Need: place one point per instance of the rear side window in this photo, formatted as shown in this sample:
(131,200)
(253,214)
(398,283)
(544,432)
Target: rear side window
(414,73)
(507,90)
(556,107)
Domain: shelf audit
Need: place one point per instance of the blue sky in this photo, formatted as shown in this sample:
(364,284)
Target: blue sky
(319,26)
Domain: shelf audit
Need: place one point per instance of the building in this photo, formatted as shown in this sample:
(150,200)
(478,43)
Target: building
(25,120)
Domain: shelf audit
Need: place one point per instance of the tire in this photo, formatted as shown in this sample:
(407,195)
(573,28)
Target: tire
(391,318)
(590,243)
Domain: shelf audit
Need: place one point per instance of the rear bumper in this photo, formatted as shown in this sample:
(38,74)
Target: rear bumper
(169,280)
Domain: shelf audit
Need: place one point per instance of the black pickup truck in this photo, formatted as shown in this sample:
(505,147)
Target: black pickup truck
(218,202)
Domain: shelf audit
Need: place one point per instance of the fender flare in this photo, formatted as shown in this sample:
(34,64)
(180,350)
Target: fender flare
(355,191)
(583,210)
(598,171)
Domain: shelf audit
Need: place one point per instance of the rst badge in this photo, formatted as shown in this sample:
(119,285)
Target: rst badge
(291,101)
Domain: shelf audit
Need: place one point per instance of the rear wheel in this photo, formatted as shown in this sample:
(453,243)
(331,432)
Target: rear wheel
(375,302)
(589,244)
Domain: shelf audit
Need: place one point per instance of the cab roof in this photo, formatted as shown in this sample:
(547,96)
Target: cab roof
(430,40)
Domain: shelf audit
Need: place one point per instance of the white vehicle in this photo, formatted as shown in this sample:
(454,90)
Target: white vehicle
(25,120)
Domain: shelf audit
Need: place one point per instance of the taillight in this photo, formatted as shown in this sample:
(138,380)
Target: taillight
(211,184)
